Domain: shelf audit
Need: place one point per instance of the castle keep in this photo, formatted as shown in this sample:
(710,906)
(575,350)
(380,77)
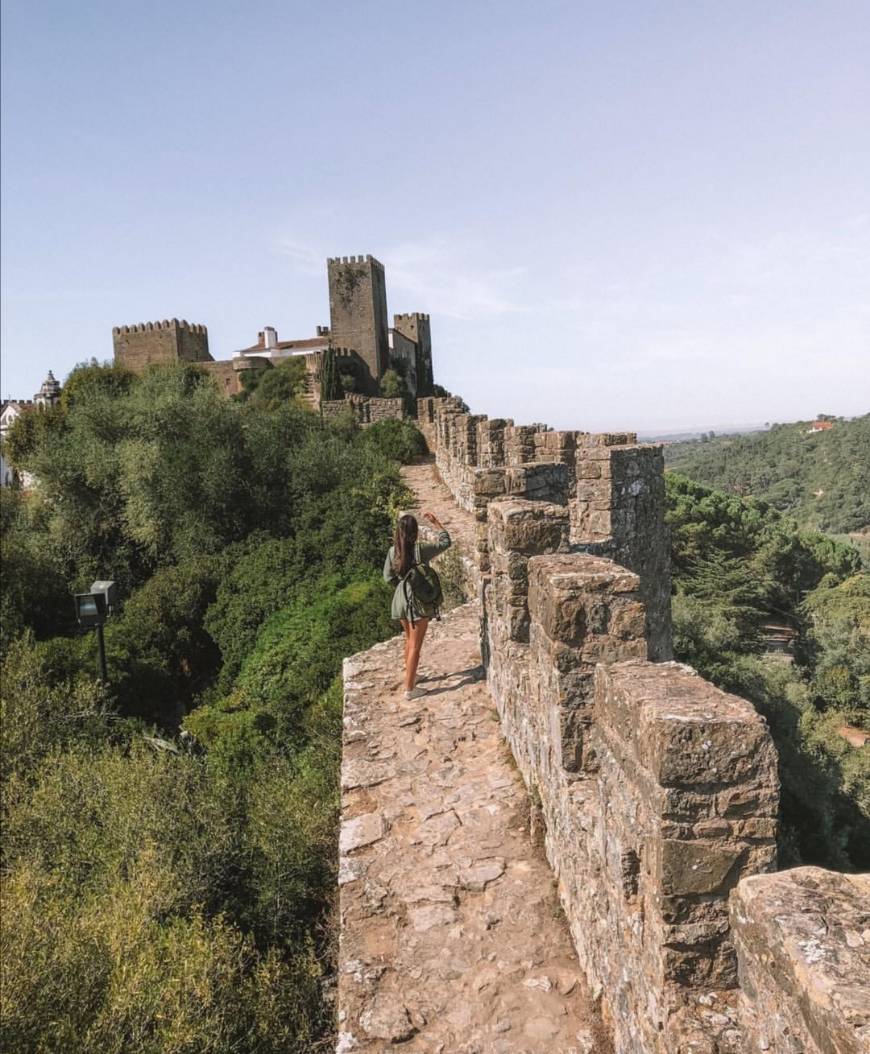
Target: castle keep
(359,334)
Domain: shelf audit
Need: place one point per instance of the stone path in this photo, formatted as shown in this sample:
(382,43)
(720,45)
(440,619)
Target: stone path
(452,938)
(431,494)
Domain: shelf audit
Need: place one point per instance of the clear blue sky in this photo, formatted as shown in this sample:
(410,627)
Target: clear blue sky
(619,214)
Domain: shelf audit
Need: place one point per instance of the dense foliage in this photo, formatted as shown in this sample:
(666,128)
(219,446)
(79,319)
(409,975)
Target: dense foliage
(169,839)
(740,568)
(821,479)
(271,386)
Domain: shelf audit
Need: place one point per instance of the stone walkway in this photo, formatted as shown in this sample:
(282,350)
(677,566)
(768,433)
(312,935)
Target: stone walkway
(452,938)
(431,494)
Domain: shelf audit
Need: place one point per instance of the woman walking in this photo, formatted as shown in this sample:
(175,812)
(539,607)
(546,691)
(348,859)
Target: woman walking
(405,553)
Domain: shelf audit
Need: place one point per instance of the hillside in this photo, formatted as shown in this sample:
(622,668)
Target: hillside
(169,844)
(821,479)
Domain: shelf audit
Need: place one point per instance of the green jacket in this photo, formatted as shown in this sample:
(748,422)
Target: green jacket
(424,553)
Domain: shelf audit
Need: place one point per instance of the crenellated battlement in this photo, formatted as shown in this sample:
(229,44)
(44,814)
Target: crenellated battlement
(658,792)
(408,316)
(150,327)
(612,486)
(336,261)
(172,340)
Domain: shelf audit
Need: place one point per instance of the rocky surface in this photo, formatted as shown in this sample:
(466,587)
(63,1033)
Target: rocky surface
(803,943)
(452,938)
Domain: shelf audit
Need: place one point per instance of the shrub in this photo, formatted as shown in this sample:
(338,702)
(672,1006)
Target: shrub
(42,711)
(118,975)
(395,440)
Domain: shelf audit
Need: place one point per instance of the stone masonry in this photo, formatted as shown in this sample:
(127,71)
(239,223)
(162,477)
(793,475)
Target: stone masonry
(657,792)
(160,342)
(365,410)
(637,767)
(358,312)
(613,488)
(803,948)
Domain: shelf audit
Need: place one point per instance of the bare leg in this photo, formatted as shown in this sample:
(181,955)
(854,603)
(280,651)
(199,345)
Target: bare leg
(406,629)
(418,632)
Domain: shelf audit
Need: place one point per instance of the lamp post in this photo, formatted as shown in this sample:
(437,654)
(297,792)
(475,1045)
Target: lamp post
(92,609)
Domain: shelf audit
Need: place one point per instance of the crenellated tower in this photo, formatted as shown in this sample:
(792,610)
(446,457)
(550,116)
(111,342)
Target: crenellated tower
(358,311)
(415,327)
(160,342)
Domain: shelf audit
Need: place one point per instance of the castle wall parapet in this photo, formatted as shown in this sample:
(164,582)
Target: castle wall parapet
(613,488)
(366,410)
(803,948)
(658,792)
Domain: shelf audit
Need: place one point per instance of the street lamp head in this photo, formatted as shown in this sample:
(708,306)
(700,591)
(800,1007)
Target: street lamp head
(91,609)
(109,590)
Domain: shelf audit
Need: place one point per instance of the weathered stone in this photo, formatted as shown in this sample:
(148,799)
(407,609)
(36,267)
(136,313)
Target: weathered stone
(479,875)
(696,867)
(360,831)
(803,945)
(387,1018)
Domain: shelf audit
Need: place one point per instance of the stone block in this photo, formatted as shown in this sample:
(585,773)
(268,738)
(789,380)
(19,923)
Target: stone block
(527,527)
(490,483)
(696,866)
(803,950)
(687,731)
(575,596)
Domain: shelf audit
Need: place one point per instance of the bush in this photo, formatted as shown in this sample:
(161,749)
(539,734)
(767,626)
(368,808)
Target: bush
(34,595)
(118,975)
(296,655)
(291,842)
(395,440)
(169,894)
(158,652)
(43,710)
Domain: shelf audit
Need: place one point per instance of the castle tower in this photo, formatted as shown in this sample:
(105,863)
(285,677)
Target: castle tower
(164,342)
(415,327)
(358,311)
(49,392)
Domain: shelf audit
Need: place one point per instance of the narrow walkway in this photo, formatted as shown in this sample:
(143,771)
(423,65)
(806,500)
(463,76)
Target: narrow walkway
(432,494)
(452,939)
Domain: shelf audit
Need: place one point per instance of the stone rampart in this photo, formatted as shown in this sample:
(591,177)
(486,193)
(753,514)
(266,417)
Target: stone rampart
(366,409)
(613,488)
(658,792)
(803,948)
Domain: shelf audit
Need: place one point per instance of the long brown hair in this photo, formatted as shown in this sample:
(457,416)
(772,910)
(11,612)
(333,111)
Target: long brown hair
(403,544)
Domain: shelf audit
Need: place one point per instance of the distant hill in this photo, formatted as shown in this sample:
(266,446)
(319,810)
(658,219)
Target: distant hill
(684,435)
(822,478)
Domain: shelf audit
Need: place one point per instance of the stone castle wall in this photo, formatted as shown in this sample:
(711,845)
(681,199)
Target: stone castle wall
(227,375)
(163,342)
(612,486)
(366,410)
(658,792)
